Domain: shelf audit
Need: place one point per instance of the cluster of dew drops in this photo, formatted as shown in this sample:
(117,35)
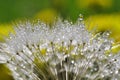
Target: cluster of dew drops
(66,52)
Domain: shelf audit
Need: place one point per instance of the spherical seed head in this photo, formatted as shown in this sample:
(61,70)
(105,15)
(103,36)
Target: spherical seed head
(65,52)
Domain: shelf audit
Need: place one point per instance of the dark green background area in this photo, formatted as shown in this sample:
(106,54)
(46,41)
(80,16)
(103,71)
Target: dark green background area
(14,9)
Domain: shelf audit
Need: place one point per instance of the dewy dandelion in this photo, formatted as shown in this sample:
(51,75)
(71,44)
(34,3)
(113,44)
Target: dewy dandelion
(65,52)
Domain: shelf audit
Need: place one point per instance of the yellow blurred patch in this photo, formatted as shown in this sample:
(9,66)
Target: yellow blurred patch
(88,3)
(48,16)
(105,22)
(5,73)
(5,29)
(115,48)
(43,51)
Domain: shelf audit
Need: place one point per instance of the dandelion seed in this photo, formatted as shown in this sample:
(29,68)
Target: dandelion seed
(65,52)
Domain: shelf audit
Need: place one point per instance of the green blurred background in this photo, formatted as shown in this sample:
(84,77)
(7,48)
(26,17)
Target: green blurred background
(100,14)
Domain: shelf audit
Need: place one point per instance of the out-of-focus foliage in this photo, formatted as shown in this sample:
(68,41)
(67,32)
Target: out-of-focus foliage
(69,9)
(15,9)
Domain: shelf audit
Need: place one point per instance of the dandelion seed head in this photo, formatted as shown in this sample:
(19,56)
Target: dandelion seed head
(64,52)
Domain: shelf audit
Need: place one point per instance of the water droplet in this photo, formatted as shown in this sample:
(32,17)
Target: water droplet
(80,17)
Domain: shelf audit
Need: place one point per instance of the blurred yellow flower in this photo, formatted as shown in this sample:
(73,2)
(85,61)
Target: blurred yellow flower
(48,16)
(88,3)
(5,29)
(106,22)
(5,73)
